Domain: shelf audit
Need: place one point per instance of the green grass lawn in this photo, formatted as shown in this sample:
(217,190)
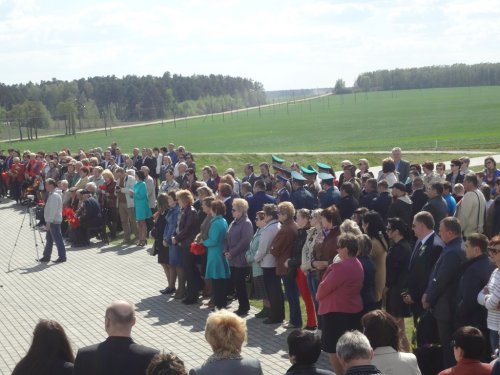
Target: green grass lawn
(457,118)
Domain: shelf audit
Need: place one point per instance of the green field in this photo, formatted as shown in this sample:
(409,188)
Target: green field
(455,118)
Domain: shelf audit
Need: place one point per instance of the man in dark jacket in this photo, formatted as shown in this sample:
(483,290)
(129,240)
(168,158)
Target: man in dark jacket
(118,354)
(330,193)
(301,198)
(440,295)
(347,204)
(369,194)
(401,205)
(436,205)
(384,199)
(258,200)
(418,197)
(475,275)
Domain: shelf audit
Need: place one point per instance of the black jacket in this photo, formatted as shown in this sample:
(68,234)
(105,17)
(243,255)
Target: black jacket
(382,204)
(475,275)
(368,200)
(298,369)
(347,205)
(438,208)
(115,356)
(420,268)
(419,199)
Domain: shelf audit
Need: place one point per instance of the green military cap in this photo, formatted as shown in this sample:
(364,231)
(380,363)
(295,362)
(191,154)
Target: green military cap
(308,170)
(277,159)
(297,176)
(325,176)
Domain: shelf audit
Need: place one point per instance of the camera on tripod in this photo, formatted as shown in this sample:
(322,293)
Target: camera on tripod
(31,200)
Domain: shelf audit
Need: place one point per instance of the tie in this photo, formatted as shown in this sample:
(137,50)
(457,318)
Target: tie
(415,252)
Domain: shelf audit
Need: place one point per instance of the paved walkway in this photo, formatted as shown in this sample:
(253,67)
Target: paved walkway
(77,292)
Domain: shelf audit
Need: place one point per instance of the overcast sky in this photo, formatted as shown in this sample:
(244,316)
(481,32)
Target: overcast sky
(283,44)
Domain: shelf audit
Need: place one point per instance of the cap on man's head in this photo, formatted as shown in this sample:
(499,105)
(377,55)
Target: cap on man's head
(277,159)
(324,166)
(325,177)
(281,178)
(297,176)
(308,170)
(400,186)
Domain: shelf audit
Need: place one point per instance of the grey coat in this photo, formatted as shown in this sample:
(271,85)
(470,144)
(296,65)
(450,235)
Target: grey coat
(238,238)
(244,366)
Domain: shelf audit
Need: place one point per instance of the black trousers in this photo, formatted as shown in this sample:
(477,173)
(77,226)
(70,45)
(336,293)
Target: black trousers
(445,330)
(275,295)
(219,287)
(194,283)
(238,276)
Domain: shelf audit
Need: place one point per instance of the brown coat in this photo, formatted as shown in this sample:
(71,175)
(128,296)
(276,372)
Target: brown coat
(326,250)
(282,245)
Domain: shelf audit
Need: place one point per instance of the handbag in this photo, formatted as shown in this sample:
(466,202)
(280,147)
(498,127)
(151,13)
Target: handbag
(197,248)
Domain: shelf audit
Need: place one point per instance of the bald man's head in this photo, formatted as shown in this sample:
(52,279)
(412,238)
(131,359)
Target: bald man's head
(120,317)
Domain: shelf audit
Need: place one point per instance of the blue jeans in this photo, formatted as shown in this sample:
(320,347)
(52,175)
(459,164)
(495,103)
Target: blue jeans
(54,235)
(292,294)
(493,340)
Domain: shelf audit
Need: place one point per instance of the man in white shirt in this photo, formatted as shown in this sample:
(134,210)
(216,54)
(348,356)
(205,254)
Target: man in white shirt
(53,220)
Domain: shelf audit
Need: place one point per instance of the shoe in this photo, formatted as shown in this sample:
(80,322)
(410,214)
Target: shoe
(264,313)
(269,321)
(291,326)
(178,295)
(311,328)
(189,301)
(241,312)
(171,290)
(60,260)
(44,259)
(164,291)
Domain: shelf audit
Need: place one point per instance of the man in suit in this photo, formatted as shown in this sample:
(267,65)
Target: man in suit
(137,159)
(369,194)
(347,203)
(249,174)
(425,253)
(402,166)
(440,295)
(118,354)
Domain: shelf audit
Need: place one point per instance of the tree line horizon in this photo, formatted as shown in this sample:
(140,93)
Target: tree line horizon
(101,100)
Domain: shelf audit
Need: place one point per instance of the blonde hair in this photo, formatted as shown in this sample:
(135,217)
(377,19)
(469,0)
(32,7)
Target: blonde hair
(107,173)
(286,208)
(225,332)
(185,196)
(240,205)
(350,226)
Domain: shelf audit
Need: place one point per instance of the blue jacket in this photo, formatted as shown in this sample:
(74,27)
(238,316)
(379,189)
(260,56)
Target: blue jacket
(172,217)
(302,198)
(329,197)
(255,204)
(217,264)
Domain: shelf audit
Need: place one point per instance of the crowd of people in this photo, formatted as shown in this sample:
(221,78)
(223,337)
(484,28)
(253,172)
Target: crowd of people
(363,252)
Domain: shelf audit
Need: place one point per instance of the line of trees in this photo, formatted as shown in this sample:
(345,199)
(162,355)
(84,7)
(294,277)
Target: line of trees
(86,102)
(457,75)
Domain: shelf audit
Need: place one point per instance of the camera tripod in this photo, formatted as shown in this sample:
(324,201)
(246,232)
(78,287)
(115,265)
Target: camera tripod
(30,208)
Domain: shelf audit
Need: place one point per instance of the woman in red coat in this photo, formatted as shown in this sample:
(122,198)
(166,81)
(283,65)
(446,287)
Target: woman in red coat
(339,297)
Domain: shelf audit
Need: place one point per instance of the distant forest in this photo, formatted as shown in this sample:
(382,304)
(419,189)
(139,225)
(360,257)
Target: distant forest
(90,102)
(457,75)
